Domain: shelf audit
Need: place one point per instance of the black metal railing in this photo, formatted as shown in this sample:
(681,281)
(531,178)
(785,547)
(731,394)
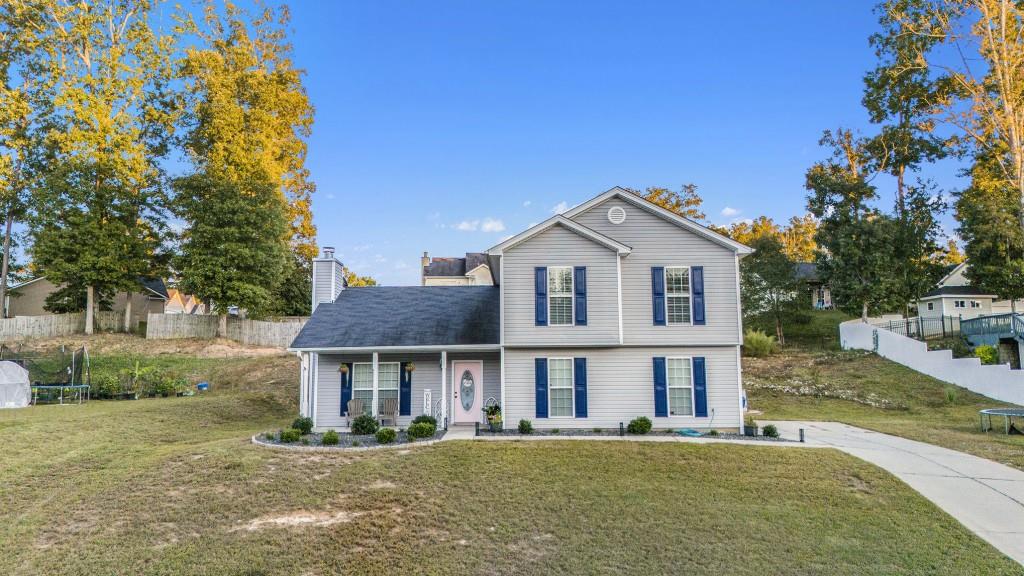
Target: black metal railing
(922,328)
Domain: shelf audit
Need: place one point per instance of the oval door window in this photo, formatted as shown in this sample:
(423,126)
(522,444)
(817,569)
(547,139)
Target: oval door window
(467,390)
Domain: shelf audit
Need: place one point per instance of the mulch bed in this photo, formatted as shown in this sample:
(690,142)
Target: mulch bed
(346,440)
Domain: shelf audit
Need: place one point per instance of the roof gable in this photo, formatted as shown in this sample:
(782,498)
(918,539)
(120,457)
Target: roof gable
(572,226)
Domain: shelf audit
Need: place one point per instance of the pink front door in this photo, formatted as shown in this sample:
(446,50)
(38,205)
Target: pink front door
(467,391)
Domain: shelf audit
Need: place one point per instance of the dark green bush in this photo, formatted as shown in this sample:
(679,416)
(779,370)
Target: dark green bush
(712,433)
(330,438)
(364,424)
(421,430)
(640,425)
(105,385)
(770,431)
(525,427)
(289,435)
(386,435)
(303,424)
(556,431)
(425,418)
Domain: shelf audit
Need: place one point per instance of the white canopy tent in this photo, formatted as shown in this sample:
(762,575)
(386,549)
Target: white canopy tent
(15,390)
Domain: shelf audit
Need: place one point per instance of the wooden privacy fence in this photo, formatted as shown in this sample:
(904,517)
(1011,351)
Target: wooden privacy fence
(279,333)
(50,325)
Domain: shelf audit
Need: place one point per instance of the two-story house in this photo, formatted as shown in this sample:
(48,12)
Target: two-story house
(615,309)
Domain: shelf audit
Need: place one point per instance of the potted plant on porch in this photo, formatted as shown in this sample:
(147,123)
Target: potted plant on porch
(493,412)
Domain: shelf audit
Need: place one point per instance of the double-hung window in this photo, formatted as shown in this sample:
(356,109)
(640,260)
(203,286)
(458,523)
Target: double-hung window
(560,391)
(387,380)
(362,385)
(680,386)
(677,295)
(959,304)
(560,295)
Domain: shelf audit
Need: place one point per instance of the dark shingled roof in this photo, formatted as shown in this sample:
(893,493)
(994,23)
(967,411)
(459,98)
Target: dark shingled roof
(375,316)
(450,266)
(807,271)
(156,285)
(956,291)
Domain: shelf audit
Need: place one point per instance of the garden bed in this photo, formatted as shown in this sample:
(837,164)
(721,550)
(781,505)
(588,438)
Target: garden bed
(614,432)
(345,440)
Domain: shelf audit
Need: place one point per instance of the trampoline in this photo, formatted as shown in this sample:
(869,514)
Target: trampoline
(1007,414)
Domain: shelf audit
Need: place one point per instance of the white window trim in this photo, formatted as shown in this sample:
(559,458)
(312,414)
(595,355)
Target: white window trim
(693,389)
(572,388)
(931,306)
(572,295)
(959,304)
(375,386)
(689,281)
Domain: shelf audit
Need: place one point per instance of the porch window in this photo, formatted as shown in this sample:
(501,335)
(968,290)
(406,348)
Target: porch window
(387,380)
(560,295)
(677,295)
(680,386)
(560,392)
(362,385)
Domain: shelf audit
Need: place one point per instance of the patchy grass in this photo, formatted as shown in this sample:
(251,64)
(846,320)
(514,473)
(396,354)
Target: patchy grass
(172,486)
(807,382)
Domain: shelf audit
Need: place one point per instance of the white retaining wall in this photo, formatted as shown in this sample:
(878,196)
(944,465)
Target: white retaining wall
(998,381)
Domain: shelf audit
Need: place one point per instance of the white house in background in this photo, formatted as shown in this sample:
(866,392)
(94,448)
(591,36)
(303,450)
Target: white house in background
(615,309)
(471,270)
(953,295)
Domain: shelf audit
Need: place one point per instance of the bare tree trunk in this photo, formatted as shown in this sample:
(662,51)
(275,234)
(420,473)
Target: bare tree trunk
(778,332)
(222,326)
(90,297)
(864,311)
(5,268)
(128,313)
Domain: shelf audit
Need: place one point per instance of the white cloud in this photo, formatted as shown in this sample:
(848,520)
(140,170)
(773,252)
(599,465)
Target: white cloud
(401,265)
(527,203)
(468,226)
(362,247)
(380,258)
(560,207)
(729,212)
(492,225)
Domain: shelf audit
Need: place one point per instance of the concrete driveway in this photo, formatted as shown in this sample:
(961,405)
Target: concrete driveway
(986,497)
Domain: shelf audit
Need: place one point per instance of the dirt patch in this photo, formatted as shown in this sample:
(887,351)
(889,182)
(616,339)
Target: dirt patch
(232,350)
(300,519)
(138,345)
(381,485)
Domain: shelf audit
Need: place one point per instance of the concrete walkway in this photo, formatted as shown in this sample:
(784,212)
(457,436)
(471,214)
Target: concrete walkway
(985,496)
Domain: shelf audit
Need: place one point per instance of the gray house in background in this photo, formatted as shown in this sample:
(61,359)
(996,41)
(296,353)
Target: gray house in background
(615,309)
(472,270)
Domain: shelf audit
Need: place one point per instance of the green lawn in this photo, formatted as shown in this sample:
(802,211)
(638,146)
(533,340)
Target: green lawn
(812,380)
(172,486)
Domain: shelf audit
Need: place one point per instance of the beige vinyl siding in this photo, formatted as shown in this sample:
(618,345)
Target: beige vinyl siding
(658,242)
(558,246)
(427,375)
(620,387)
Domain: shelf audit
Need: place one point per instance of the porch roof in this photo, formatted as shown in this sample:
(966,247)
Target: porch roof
(404,317)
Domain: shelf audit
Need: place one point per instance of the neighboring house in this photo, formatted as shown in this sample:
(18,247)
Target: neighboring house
(820,296)
(180,303)
(472,270)
(953,295)
(615,309)
(28,299)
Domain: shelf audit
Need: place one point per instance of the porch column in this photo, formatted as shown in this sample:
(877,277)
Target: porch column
(304,381)
(376,366)
(444,388)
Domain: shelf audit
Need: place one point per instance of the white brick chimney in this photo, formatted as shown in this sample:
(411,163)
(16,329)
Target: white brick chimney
(328,277)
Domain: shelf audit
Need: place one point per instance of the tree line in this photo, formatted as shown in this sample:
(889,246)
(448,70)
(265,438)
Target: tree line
(140,139)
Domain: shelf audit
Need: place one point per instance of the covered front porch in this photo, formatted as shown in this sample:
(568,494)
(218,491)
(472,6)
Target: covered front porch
(452,384)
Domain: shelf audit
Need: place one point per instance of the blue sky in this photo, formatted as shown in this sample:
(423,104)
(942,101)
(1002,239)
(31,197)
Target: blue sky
(447,125)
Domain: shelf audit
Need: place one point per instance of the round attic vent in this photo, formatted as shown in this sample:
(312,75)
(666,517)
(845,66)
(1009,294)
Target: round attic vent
(616,215)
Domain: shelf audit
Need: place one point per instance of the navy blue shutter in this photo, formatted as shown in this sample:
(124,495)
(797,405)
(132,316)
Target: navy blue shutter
(700,387)
(697,291)
(346,388)
(660,387)
(579,282)
(404,391)
(658,292)
(541,380)
(541,290)
(580,382)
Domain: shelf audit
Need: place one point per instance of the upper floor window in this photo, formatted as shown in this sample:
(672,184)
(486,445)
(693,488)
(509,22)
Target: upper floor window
(931,306)
(560,291)
(677,295)
(975,304)
(960,304)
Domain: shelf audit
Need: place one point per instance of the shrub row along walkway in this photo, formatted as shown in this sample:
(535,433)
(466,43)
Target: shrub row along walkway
(985,496)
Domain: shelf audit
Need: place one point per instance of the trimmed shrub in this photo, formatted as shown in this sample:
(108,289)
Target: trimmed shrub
(525,427)
(597,430)
(303,424)
(987,354)
(640,425)
(556,431)
(364,424)
(330,438)
(711,433)
(421,430)
(770,431)
(758,344)
(106,385)
(386,435)
(289,435)
(425,418)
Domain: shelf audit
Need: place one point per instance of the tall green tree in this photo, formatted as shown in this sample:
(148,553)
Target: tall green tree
(768,282)
(98,217)
(246,204)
